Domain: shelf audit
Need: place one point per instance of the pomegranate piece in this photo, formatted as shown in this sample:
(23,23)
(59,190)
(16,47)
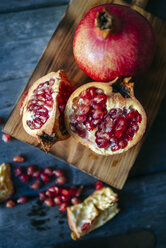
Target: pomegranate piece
(42,196)
(58,173)
(10,204)
(44,178)
(61,180)
(18,159)
(36,185)
(63,207)
(43,108)
(48,172)
(57,200)
(18,171)
(6,137)
(31,169)
(22,199)
(98,185)
(115,120)
(75,200)
(49,202)
(24,178)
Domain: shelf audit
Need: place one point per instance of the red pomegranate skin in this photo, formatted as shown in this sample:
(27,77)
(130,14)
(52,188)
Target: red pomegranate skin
(127,51)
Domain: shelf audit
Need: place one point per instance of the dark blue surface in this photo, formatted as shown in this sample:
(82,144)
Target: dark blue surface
(25,29)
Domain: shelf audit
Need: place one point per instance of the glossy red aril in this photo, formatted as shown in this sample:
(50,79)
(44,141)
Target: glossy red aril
(10,204)
(36,174)
(58,173)
(18,159)
(49,202)
(31,169)
(75,200)
(63,207)
(98,185)
(57,200)
(6,137)
(42,196)
(115,120)
(61,180)
(110,42)
(36,185)
(22,199)
(24,178)
(55,189)
(44,178)
(48,171)
(18,171)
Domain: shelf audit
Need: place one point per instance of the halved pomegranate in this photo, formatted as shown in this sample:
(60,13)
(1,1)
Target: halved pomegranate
(106,117)
(43,108)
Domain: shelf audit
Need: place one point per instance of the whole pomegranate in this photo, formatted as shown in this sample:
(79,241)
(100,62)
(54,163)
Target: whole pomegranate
(112,41)
(106,117)
(42,108)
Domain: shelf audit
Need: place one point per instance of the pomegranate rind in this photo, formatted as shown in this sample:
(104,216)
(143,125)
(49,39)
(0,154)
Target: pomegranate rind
(51,127)
(95,210)
(114,100)
(6,184)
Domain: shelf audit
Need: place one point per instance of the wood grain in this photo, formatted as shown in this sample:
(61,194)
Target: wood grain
(150,90)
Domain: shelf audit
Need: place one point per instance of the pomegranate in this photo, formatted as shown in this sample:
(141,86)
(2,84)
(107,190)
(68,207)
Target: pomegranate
(42,108)
(106,117)
(113,40)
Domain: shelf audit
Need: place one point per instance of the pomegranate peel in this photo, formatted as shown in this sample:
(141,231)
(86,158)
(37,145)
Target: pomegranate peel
(113,122)
(42,108)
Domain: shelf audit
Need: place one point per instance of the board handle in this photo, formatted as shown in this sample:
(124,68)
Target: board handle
(140,3)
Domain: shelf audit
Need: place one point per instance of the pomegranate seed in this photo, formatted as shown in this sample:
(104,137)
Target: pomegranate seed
(0,120)
(6,137)
(65,192)
(18,159)
(63,207)
(42,196)
(36,174)
(50,194)
(10,204)
(79,191)
(81,132)
(61,180)
(55,189)
(44,178)
(22,199)
(57,200)
(85,227)
(30,170)
(65,198)
(123,143)
(73,191)
(24,178)
(18,171)
(35,185)
(102,143)
(47,171)
(115,147)
(75,200)
(98,185)
(58,173)
(49,202)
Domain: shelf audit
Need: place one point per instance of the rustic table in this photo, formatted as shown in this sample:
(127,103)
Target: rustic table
(25,28)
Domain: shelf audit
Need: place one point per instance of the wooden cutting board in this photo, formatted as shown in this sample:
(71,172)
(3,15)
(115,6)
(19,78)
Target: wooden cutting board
(150,90)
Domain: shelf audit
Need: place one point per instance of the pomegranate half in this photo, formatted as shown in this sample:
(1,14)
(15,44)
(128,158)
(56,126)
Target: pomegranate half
(106,117)
(42,108)
(112,41)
